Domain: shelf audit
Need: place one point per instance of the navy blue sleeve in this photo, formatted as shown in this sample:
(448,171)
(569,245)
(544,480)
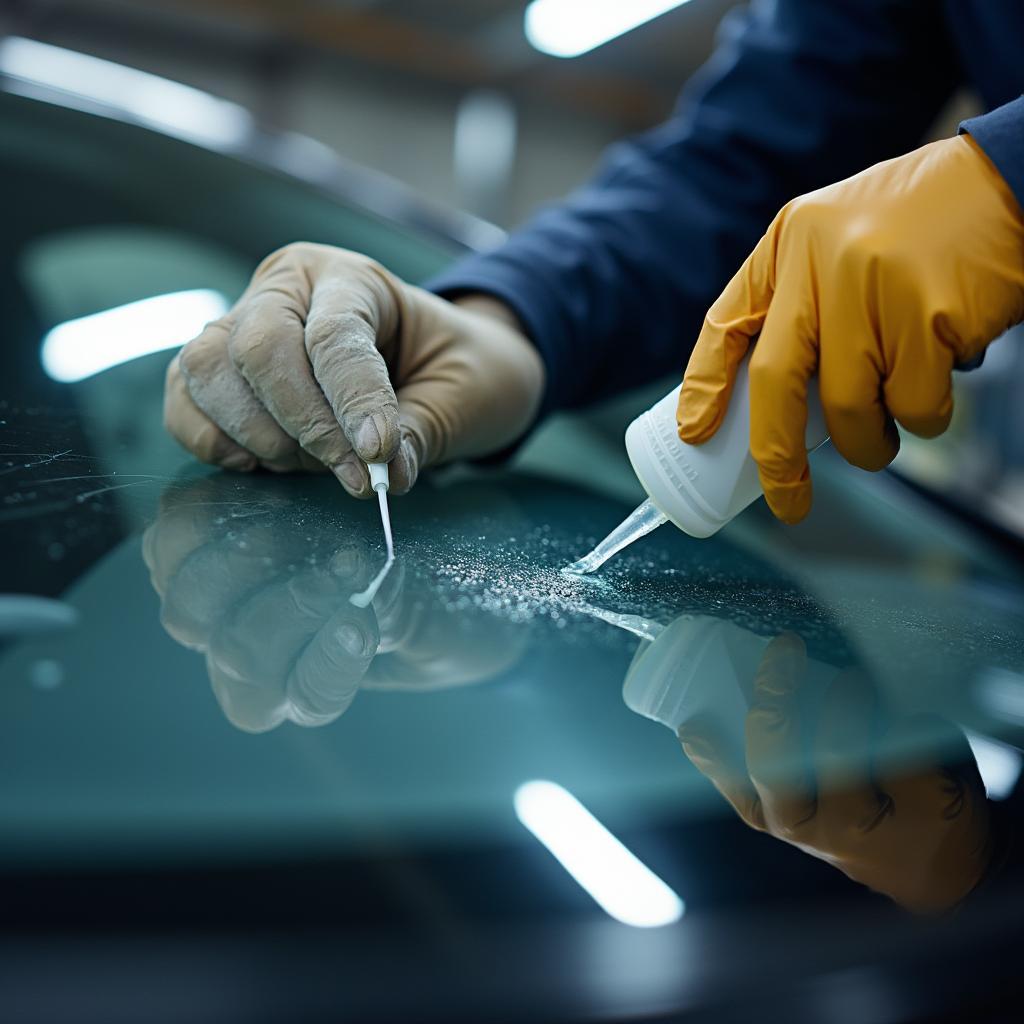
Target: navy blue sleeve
(613,284)
(1001,134)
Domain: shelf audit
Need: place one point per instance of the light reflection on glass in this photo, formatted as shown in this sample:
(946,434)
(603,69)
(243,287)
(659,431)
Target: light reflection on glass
(174,108)
(623,886)
(1001,693)
(999,764)
(87,345)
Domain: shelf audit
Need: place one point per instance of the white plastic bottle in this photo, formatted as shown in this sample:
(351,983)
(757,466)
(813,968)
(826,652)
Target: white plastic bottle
(700,488)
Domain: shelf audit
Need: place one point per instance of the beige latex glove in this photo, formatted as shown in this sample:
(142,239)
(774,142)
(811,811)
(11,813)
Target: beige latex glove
(330,360)
(910,827)
(880,284)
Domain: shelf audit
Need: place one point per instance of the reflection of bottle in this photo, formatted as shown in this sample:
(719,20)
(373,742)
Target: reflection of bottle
(702,669)
(700,488)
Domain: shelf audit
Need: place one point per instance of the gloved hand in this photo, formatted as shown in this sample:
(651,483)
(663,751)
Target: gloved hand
(896,804)
(328,359)
(880,284)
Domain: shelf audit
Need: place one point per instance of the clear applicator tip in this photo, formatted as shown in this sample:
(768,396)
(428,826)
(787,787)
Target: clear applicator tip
(640,522)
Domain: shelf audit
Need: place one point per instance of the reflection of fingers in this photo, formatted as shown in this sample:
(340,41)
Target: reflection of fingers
(350,566)
(326,675)
(272,643)
(395,618)
(848,799)
(166,544)
(247,706)
(710,754)
(221,392)
(940,798)
(194,430)
(149,542)
(209,582)
(774,734)
(930,765)
(259,638)
(422,654)
(183,526)
(257,643)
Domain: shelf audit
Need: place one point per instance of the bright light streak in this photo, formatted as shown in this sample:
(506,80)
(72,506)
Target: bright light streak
(620,884)
(567,28)
(79,348)
(171,107)
(998,764)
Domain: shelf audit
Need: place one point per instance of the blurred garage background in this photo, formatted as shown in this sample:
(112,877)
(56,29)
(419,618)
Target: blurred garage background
(456,101)
(450,98)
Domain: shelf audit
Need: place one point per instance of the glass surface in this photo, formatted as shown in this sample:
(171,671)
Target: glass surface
(793,728)
(978,463)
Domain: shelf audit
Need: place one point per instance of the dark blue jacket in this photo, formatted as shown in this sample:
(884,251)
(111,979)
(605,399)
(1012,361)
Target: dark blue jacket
(612,285)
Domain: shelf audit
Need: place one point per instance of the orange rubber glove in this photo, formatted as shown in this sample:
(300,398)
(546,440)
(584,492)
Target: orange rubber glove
(880,284)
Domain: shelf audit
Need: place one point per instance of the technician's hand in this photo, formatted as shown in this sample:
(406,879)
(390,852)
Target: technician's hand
(914,826)
(330,360)
(880,284)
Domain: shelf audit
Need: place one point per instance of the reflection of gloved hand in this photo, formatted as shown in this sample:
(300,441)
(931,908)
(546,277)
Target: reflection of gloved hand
(305,369)
(912,826)
(881,284)
(270,610)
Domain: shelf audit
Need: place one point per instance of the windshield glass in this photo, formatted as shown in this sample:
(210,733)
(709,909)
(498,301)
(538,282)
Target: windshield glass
(775,722)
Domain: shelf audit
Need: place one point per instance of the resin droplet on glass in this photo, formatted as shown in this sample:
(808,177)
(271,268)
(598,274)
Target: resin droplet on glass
(640,522)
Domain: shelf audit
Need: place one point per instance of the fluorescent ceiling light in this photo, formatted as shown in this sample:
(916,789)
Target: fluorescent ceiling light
(79,348)
(176,109)
(567,28)
(620,884)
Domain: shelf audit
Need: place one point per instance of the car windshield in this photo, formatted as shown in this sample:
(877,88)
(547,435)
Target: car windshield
(765,753)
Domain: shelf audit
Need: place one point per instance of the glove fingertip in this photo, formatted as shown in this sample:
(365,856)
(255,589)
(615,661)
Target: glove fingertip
(786,654)
(353,477)
(789,502)
(404,468)
(696,433)
(376,439)
(696,421)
